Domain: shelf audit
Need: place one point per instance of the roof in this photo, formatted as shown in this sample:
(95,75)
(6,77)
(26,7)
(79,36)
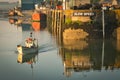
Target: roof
(31,1)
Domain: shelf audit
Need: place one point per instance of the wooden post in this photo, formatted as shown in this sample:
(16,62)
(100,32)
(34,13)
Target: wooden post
(55,24)
(52,20)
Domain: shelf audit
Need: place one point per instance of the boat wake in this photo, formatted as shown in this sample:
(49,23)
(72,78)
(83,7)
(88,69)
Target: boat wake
(46,48)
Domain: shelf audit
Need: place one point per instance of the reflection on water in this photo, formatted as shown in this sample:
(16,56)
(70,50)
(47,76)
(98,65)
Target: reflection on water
(36,26)
(15,21)
(57,59)
(89,55)
(28,58)
(75,44)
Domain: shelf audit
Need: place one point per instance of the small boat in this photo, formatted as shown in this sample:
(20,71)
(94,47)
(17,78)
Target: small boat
(30,47)
(36,16)
(15,12)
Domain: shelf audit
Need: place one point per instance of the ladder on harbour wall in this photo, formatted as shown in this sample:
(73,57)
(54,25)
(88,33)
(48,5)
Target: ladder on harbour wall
(55,19)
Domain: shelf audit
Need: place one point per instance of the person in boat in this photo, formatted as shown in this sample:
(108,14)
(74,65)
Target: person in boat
(30,42)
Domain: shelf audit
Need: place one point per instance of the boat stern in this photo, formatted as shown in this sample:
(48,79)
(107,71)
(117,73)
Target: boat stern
(19,49)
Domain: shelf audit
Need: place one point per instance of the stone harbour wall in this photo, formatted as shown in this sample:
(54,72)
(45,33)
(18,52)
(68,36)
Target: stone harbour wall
(74,34)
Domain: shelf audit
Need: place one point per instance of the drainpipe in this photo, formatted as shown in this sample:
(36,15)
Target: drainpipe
(64,4)
(103,20)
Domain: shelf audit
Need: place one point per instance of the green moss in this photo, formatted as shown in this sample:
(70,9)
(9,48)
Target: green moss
(68,21)
(68,55)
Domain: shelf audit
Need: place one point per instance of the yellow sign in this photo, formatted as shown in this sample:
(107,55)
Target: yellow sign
(83,14)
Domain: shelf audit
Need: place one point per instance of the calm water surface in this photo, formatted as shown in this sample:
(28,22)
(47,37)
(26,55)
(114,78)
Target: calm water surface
(74,60)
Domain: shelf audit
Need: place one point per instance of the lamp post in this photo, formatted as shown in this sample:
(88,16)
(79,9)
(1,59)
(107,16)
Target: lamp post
(103,20)
(103,27)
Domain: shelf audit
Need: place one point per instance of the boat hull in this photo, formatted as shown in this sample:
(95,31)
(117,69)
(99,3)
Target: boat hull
(25,50)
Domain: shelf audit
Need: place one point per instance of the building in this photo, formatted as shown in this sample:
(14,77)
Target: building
(67,4)
(115,2)
(28,4)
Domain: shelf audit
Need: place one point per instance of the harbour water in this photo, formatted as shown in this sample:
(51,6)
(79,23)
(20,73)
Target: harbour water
(73,60)
(7,6)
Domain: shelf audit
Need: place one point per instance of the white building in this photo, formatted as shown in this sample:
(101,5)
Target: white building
(70,3)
